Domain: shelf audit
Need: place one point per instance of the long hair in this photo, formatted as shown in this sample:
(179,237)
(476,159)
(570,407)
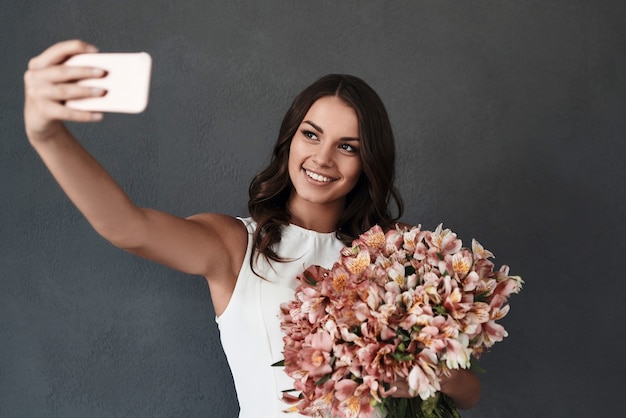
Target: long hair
(368,202)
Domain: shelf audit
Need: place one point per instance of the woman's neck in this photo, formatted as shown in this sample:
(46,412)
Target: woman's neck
(315,216)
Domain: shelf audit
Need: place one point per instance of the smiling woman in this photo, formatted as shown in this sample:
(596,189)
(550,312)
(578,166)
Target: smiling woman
(330,179)
(368,202)
(324,164)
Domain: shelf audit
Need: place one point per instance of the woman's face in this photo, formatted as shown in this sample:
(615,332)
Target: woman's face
(324,158)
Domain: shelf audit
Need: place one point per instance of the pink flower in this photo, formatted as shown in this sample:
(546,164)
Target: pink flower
(313,305)
(347,360)
(453,299)
(374,239)
(314,355)
(396,272)
(423,380)
(478,314)
(470,282)
(421,251)
(354,399)
(479,251)
(412,238)
(443,241)
(394,239)
(357,265)
(493,333)
(457,353)
(462,263)
(508,286)
(335,282)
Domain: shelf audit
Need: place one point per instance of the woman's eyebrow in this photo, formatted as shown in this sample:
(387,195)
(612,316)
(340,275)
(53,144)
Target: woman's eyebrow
(320,130)
(317,128)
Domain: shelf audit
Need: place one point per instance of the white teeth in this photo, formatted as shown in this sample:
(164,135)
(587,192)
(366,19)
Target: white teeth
(318,177)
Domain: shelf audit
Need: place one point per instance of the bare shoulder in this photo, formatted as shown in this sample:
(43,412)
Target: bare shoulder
(218,219)
(230,232)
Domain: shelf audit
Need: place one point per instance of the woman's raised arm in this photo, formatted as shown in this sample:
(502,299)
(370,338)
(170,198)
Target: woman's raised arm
(208,245)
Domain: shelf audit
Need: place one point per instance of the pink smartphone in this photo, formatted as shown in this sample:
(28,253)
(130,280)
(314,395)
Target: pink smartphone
(127,81)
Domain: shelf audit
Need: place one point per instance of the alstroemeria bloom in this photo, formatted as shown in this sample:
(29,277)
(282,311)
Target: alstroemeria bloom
(493,333)
(354,400)
(444,241)
(374,239)
(423,380)
(457,354)
(315,354)
(479,251)
(313,305)
(394,239)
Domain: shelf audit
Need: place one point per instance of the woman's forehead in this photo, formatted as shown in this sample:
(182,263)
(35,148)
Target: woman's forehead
(332,115)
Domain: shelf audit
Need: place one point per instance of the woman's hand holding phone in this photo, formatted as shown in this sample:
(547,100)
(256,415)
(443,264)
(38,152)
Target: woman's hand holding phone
(70,81)
(48,84)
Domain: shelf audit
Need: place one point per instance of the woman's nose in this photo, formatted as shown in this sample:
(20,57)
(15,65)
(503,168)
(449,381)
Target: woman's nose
(324,155)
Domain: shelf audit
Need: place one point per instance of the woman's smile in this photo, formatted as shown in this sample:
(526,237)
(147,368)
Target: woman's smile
(318,177)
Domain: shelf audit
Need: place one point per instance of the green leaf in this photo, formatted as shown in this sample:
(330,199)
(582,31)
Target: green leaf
(309,278)
(475,367)
(481,297)
(408,270)
(441,310)
(356,330)
(323,379)
(403,357)
(430,404)
(402,333)
(280,363)
(437,406)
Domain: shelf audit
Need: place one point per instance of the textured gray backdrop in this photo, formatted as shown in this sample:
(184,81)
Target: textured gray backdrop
(510,123)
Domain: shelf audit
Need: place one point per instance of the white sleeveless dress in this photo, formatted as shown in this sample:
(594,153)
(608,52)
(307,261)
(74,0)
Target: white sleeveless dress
(250,324)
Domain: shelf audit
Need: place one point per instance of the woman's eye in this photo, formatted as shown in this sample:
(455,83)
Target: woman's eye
(348,148)
(309,135)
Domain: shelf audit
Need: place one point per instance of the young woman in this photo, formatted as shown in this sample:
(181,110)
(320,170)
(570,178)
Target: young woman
(330,179)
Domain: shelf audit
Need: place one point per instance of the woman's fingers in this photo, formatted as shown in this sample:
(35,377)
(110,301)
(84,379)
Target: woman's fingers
(63,74)
(48,84)
(59,112)
(59,52)
(63,92)
(45,102)
(37,87)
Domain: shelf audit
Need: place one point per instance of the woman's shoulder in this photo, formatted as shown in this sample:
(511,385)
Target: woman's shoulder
(218,220)
(231,231)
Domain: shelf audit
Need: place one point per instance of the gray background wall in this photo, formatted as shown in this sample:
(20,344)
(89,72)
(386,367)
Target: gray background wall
(510,121)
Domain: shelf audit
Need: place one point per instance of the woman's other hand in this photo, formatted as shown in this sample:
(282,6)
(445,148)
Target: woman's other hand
(461,385)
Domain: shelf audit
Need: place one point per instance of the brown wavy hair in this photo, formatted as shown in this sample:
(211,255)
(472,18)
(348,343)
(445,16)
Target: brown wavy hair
(367,204)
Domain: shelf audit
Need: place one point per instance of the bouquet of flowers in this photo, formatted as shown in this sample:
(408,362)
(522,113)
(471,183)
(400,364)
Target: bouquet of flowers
(409,305)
